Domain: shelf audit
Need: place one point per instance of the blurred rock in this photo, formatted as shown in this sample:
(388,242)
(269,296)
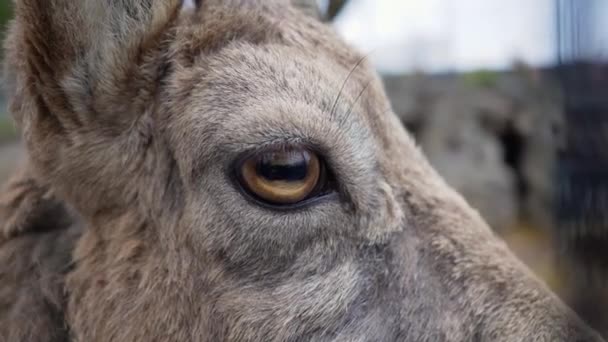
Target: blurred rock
(493,136)
(470,156)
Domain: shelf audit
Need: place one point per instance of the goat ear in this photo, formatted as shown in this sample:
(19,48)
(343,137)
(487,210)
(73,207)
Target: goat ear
(79,57)
(82,75)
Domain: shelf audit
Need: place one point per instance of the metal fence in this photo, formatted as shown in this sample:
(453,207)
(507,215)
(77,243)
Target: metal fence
(582,196)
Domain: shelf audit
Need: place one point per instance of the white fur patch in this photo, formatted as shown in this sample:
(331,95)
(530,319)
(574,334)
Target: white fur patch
(188,5)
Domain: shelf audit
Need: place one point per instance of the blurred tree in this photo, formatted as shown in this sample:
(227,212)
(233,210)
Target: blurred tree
(5,13)
(309,6)
(335,6)
(313,8)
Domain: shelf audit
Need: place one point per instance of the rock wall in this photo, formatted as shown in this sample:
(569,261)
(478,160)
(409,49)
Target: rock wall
(493,136)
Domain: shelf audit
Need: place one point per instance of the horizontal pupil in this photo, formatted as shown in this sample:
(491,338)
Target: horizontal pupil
(290,168)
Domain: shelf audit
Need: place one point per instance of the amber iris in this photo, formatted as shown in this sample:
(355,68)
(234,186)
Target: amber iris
(285,176)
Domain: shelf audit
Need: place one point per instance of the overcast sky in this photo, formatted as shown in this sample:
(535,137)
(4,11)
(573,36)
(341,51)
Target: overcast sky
(450,35)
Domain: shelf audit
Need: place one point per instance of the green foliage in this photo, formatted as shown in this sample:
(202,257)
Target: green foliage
(5,12)
(335,6)
(7,128)
(481,78)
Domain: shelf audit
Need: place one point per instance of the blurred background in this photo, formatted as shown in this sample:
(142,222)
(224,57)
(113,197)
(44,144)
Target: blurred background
(509,100)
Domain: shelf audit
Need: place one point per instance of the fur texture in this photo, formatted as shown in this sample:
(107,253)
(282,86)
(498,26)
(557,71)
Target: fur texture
(126,225)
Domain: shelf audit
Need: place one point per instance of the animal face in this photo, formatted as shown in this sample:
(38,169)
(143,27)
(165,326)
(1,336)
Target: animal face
(239,176)
(247,102)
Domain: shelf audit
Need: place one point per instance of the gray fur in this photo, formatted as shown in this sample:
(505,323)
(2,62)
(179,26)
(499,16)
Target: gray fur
(133,111)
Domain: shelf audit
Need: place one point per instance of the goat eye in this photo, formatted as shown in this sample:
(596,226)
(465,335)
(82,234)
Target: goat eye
(282,177)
